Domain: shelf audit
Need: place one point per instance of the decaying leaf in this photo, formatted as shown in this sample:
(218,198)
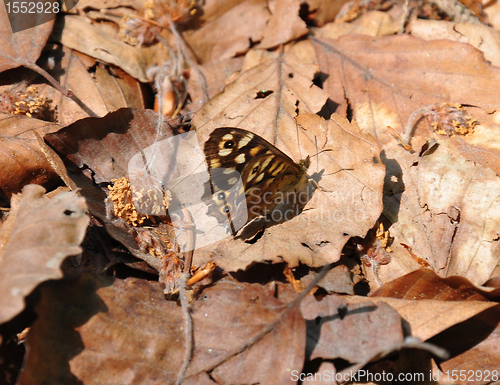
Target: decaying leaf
(284,24)
(268,100)
(23,47)
(99,42)
(126,331)
(347,203)
(45,232)
(448,215)
(471,342)
(369,327)
(22,160)
(229,31)
(98,88)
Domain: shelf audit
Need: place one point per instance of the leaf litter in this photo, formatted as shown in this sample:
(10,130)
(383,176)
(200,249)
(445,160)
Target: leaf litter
(410,153)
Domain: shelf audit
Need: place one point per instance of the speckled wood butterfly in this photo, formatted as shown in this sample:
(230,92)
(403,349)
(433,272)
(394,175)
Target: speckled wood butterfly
(249,177)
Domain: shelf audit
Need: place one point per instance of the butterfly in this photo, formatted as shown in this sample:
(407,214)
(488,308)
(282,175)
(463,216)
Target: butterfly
(250,178)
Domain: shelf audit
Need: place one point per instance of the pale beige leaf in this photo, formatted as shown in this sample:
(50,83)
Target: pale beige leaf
(44,234)
(449,214)
(480,36)
(284,24)
(231,32)
(95,41)
(428,318)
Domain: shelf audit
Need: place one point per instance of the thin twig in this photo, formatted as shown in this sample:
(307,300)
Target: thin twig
(184,50)
(188,330)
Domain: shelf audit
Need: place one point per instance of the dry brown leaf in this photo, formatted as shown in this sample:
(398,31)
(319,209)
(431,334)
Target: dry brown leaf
(102,43)
(127,332)
(448,215)
(44,234)
(348,206)
(480,36)
(351,332)
(106,146)
(386,92)
(230,33)
(425,284)
(472,343)
(290,80)
(348,168)
(476,351)
(23,47)
(8,222)
(387,79)
(337,280)
(323,11)
(284,25)
(429,317)
(373,23)
(22,160)
(97,88)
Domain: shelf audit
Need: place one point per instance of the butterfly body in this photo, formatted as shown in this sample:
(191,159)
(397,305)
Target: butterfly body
(250,177)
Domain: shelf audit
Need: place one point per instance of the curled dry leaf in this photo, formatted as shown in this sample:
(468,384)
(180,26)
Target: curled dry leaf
(150,349)
(95,41)
(425,284)
(22,160)
(98,88)
(473,346)
(44,234)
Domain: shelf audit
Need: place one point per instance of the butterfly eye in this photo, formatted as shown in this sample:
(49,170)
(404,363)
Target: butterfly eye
(221,196)
(227,209)
(229,144)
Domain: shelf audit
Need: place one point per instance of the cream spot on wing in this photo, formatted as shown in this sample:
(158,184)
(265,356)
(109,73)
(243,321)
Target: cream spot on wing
(251,177)
(232,181)
(228,171)
(240,158)
(214,163)
(228,137)
(254,151)
(278,170)
(259,178)
(243,142)
(225,151)
(273,166)
(266,162)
